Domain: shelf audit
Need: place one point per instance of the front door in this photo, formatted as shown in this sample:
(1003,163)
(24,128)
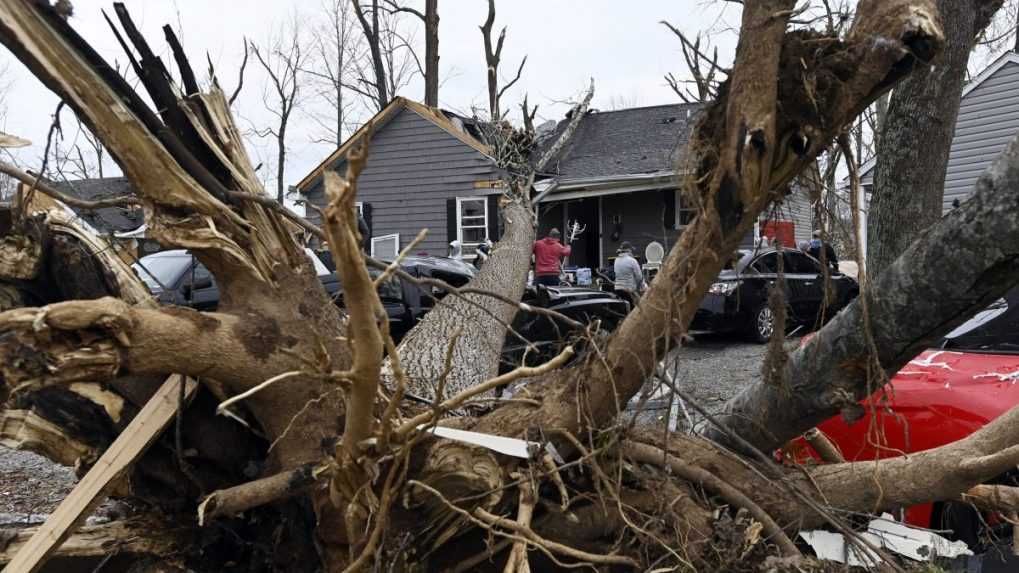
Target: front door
(585,246)
(805,285)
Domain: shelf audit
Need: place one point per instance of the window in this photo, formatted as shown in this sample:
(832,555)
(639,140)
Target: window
(684,211)
(386,247)
(472,223)
(201,275)
(767,264)
(359,206)
(797,264)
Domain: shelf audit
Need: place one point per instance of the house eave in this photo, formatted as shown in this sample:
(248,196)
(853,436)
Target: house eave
(579,188)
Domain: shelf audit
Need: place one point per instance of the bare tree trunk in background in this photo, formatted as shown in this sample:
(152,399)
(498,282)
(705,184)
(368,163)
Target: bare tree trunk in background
(282,60)
(372,34)
(432,53)
(493,56)
(430,19)
(915,140)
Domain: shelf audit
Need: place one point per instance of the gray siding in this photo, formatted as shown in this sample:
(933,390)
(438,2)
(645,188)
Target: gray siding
(414,166)
(795,207)
(642,218)
(988,120)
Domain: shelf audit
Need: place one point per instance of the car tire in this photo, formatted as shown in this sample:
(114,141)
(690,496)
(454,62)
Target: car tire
(762,324)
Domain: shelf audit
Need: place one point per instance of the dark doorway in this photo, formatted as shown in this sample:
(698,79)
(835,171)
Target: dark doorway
(585,247)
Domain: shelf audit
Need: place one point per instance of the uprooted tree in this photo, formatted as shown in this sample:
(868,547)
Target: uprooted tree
(321,463)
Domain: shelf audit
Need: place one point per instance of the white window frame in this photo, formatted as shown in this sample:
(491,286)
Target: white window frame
(460,224)
(359,206)
(393,236)
(680,209)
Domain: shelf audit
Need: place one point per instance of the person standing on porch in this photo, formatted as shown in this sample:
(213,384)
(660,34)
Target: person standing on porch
(547,254)
(629,275)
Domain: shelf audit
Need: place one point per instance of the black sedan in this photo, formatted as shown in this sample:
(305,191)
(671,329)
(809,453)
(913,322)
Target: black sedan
(738,300)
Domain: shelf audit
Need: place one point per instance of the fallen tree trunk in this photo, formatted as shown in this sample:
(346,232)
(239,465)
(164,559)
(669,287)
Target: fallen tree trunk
(140,535)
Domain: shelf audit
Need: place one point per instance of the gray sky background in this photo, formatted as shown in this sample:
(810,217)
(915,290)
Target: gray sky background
(620,44)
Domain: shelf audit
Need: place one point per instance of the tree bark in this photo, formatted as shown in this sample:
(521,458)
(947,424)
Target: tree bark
(428,354)
(909,186)
(372,35)
(432,53)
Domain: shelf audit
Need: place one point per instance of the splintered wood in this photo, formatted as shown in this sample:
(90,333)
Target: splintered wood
(128,447)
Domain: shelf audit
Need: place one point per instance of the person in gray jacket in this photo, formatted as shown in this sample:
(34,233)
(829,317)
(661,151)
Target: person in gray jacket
(629,275)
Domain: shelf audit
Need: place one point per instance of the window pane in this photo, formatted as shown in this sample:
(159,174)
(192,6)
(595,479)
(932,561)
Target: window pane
(385,248)
(686,216)
(475,235)
(796,263)
(472,208)
(767,264)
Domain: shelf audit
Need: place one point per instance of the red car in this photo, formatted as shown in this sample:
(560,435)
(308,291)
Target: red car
(942,395)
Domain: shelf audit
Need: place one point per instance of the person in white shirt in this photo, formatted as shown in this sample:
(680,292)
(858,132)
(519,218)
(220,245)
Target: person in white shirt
(629,275)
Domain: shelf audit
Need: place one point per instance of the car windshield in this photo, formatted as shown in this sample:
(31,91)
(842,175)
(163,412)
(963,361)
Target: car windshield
(159,271)
(994,329)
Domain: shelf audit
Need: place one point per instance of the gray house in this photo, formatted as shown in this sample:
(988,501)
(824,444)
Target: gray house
(426,169)
(617,178)
(988,120)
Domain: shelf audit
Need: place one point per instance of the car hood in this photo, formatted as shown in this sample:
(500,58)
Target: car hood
(728,275)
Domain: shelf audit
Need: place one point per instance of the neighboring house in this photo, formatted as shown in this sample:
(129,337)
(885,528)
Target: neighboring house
(117,224)
(618,178)
(988,120)
(426,169)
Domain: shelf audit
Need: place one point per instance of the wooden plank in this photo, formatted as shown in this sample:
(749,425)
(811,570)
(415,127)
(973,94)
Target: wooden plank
(129,445)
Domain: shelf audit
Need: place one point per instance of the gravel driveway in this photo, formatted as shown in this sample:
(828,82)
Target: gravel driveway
(710,370)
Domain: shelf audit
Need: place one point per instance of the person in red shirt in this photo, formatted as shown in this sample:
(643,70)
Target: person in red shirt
(547,253)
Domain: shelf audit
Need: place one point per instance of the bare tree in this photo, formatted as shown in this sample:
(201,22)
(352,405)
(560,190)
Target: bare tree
(493,56)
(82,156)
(281,59)
(430,19)
(338,47)
(702,68)
(390,61)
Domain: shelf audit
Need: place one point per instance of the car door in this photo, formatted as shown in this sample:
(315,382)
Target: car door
(806,286)
(199,287)
(766,270)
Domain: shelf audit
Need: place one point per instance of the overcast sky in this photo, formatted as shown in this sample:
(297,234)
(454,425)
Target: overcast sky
(621,45)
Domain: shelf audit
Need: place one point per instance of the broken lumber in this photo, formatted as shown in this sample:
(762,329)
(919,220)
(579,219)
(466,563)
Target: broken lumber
(128,447)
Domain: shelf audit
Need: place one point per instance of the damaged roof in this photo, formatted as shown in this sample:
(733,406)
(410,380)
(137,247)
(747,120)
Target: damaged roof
(108,219)
(631,141)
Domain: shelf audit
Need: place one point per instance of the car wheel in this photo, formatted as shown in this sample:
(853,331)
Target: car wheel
(762,324)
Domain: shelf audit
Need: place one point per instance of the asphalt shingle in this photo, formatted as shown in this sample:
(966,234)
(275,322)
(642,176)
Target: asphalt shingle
(109,219)
(624,142)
